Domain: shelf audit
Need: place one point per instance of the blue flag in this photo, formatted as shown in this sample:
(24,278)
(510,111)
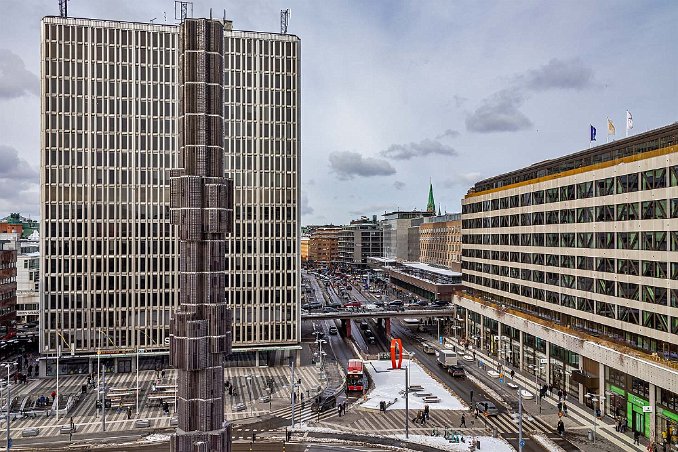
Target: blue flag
(593,133)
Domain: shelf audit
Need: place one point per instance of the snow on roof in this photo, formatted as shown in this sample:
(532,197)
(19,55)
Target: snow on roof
(430,268)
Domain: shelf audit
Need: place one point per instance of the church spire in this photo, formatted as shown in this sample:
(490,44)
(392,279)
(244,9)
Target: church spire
(431,206)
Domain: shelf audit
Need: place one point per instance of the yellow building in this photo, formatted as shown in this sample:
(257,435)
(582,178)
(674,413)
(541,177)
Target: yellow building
(305,241)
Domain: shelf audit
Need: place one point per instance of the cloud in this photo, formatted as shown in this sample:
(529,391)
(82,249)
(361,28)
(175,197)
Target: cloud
(464,179)
(15,79)
(559,74)
(306,209)
(21,182)
(449,133)
(499,113)
(15,168)
(421,149)
(399,185)
(350,164)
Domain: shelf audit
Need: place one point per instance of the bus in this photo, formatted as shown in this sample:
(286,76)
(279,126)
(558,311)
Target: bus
(356,379)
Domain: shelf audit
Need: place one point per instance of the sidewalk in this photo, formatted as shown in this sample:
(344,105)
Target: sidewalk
(605,426)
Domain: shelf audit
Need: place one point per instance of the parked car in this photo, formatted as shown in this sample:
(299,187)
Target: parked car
(457,371)
(333,330)
(487,406)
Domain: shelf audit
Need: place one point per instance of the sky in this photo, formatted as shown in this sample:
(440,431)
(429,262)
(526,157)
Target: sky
(397,94)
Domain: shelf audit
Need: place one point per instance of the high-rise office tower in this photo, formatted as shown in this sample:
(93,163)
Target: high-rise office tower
(109,111)
(262,126)
(109,261)
(201,207)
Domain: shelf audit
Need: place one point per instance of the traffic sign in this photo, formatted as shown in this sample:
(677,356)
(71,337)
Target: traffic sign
(522,443)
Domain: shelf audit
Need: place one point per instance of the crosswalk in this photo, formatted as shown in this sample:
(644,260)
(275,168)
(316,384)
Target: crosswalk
(393,422)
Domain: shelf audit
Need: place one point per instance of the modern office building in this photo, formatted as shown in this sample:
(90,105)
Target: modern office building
(359,240)
(398,241)
(109,254)
(440,241)
(571,267)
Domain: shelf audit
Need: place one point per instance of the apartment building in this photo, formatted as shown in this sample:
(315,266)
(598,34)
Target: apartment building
(9,249)
(324,245)
(570,268)
(109,138)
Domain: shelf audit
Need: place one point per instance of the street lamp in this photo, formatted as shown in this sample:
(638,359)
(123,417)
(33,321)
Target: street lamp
(537,398)
(520,420)
(594,399)
(139,350)
(8,365)
(407,395)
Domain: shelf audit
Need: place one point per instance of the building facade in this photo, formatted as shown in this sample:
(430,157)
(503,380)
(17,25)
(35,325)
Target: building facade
(440,241)
(28,288)
(109,137)
(358,241)
(8,285)
(396,233)
(304,242)
(570,268)
(324,245)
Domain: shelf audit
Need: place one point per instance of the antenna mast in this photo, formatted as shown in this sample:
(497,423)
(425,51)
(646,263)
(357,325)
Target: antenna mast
(63,8)
(284,20)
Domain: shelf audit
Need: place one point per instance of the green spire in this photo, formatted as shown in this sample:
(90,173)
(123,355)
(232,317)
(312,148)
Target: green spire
(431,206)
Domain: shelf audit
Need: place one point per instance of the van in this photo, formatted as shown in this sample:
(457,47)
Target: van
(429,348)
(325,401)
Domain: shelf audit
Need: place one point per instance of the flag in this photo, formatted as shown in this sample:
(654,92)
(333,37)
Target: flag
(629,120)
(593,134)
(610,127)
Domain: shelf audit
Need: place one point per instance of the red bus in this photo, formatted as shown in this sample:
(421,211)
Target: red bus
(355,376)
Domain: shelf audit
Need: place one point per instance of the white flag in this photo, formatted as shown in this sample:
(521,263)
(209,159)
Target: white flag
(629,120)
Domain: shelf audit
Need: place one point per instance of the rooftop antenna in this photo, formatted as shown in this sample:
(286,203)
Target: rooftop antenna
(284,20)
(181,10)
(63,8)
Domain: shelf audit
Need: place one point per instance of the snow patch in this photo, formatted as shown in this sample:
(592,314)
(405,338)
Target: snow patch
(389,385)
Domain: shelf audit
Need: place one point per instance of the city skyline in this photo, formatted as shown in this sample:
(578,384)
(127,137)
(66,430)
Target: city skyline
(375,130)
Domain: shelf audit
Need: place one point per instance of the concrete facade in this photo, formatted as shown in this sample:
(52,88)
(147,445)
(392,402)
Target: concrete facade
(574,258)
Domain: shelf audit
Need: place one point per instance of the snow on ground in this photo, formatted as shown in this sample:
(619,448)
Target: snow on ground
(157,437)
(389,384)
(546,442)
(487,443)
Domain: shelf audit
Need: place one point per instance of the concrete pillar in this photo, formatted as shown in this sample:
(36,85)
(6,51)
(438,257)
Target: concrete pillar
(500,344)
(387,327)
(653,414)
(256,358)
(466,325)
(547,366)
(347,326)
(481,333)
(522,352)
(582,394)
(601,388)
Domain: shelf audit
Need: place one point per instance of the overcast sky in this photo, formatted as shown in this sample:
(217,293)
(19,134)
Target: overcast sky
(397,93)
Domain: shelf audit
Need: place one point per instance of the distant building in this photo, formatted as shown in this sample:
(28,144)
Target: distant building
(9,247)
(305,241)
(26,225)
(440,241)
(324,245)
(28,281)
(397,236)
(359,240)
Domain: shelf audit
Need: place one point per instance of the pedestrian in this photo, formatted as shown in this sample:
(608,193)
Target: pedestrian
(560,394)
(72,424)
(426,411)
(163,374)
(513,372)
(564,408)
(625,425)
(561,427)
(463,421)
(70,436)
(129,413)
(338,410)
(471,395)
(476,413)
(636,437)
(564,395)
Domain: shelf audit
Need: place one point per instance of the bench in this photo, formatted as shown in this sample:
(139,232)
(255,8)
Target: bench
(431,399)
(31,431)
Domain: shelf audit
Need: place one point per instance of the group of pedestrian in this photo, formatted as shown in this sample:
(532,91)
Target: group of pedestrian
(341,408)
(622,424)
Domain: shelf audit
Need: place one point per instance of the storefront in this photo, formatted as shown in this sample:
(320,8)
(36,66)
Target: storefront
(637,418)
(616,403)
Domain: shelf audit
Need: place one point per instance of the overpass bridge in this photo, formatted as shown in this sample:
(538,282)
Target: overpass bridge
(381,315)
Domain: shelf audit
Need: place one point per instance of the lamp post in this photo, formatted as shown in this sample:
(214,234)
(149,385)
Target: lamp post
(57,382)
(9,401)
(520,420)
(593,399)
(537,398)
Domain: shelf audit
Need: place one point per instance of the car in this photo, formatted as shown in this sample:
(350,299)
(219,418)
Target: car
(353,304)
(440,303)
(371,338)
(379,304)
(364,325)
(485,406)
(325,401)
(457,371)
(318,334)
(333,330)
(330,309)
